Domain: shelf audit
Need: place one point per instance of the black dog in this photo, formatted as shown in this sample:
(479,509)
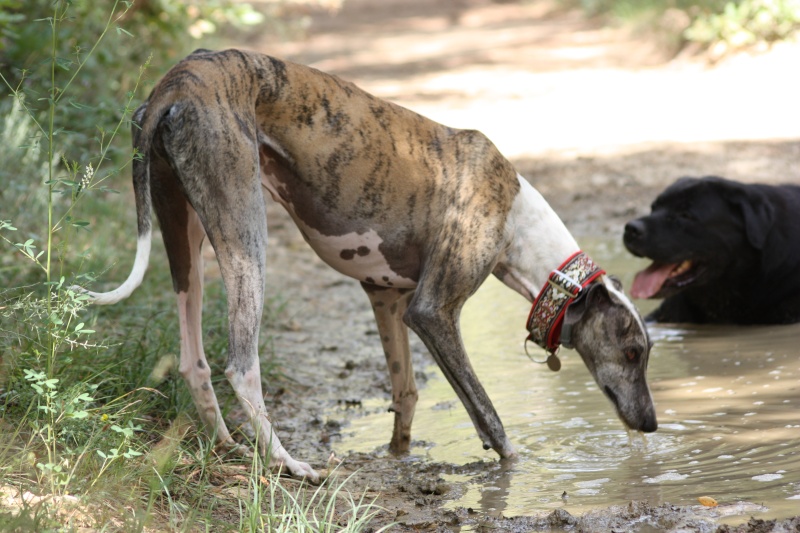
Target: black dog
(722,251)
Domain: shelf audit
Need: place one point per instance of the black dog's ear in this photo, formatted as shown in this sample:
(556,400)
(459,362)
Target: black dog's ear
(759,217)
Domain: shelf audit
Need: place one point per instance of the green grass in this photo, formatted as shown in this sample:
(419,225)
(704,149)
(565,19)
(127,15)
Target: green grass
(97,429)
(108,441)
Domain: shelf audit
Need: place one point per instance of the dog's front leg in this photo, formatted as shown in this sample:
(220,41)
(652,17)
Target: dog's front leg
(437,326)
(389,306)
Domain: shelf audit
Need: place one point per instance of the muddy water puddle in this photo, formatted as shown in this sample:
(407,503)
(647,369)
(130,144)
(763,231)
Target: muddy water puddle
(727,399)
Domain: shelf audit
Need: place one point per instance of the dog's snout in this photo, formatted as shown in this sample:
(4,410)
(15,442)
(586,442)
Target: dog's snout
(634,229)
(649,424)
(611,396)
(634,233)
(639,416)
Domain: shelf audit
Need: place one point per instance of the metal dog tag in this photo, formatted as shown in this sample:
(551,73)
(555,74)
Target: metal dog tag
(553,362)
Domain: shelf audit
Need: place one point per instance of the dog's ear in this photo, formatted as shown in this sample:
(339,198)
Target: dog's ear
(595,295)
(758,214)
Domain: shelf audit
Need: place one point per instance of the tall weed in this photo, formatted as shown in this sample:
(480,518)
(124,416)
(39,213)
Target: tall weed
(62,430)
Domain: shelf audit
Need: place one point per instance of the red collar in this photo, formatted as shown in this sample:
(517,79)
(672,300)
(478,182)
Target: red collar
(563,285)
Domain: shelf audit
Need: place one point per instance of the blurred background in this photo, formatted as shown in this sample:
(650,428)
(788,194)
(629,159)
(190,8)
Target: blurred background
(578,93)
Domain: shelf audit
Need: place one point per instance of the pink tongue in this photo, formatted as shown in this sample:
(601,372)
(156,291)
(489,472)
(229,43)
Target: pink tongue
(649,281)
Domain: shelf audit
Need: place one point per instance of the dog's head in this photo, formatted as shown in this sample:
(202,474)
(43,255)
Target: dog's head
(698,231)
(610,336)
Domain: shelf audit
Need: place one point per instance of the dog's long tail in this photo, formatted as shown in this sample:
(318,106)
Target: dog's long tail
(169,91)
(142,141)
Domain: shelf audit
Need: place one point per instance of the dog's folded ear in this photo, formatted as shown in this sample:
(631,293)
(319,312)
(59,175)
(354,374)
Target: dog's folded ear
(594,296)
(758,214)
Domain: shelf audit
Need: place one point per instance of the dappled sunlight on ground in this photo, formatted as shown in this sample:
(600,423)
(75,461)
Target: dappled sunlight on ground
(537,80)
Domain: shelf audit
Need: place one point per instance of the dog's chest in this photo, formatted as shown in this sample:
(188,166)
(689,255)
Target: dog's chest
(358,254)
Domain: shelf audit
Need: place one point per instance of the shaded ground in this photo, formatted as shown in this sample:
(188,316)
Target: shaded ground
(598,121)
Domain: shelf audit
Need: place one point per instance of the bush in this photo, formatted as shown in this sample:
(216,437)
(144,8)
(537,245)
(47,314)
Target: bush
(724,23)
(747,23)
(136,30)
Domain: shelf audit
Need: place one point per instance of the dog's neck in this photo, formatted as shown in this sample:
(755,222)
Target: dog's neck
(539,244)
(546,321)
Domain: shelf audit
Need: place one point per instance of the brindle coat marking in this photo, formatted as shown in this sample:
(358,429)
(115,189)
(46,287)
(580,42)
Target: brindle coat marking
(418,212)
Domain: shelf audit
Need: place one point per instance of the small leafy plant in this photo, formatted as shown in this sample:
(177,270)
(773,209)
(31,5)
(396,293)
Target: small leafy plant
(81,441)
(61,430)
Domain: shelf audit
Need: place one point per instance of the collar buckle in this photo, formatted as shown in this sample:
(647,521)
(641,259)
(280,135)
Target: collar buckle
(564,284)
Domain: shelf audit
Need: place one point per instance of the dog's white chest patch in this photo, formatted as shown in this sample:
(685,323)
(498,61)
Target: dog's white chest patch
(353,254)
(356,255)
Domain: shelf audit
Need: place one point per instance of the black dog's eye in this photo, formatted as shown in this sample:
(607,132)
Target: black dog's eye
(678,214)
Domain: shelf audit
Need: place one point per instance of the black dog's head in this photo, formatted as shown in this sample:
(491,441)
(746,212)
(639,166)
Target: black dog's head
(699,231)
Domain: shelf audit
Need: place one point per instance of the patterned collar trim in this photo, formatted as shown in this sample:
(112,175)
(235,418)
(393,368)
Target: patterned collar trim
(563,286)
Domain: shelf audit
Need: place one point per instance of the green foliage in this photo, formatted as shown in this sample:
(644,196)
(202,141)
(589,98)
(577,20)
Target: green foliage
(82,425)
(42,324)
(137,31)
(747,22)
(9,18)
(731,23)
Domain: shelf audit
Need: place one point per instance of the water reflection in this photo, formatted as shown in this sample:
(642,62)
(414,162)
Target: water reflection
(726,397)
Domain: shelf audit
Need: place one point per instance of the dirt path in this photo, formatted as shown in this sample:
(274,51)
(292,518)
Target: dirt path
(597,120)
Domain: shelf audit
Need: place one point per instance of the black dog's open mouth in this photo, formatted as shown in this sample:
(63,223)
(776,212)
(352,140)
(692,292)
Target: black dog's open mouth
(660,279)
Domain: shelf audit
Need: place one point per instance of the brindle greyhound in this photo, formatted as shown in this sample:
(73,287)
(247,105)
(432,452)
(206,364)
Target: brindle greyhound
(418,212)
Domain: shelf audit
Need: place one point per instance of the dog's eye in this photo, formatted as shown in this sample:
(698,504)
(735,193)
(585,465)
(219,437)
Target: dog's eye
(633,354)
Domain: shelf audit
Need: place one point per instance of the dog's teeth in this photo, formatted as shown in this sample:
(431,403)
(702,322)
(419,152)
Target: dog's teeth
(683,267)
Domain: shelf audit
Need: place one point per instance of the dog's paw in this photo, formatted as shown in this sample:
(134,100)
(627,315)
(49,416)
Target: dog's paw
(507,450)
(233,447)
(301,470)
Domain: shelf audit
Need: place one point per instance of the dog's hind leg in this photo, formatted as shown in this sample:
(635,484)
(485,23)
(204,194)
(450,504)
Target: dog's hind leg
(183,236)
(194,367)
(239,238)
(222,183)
(237,227)
(389,306)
